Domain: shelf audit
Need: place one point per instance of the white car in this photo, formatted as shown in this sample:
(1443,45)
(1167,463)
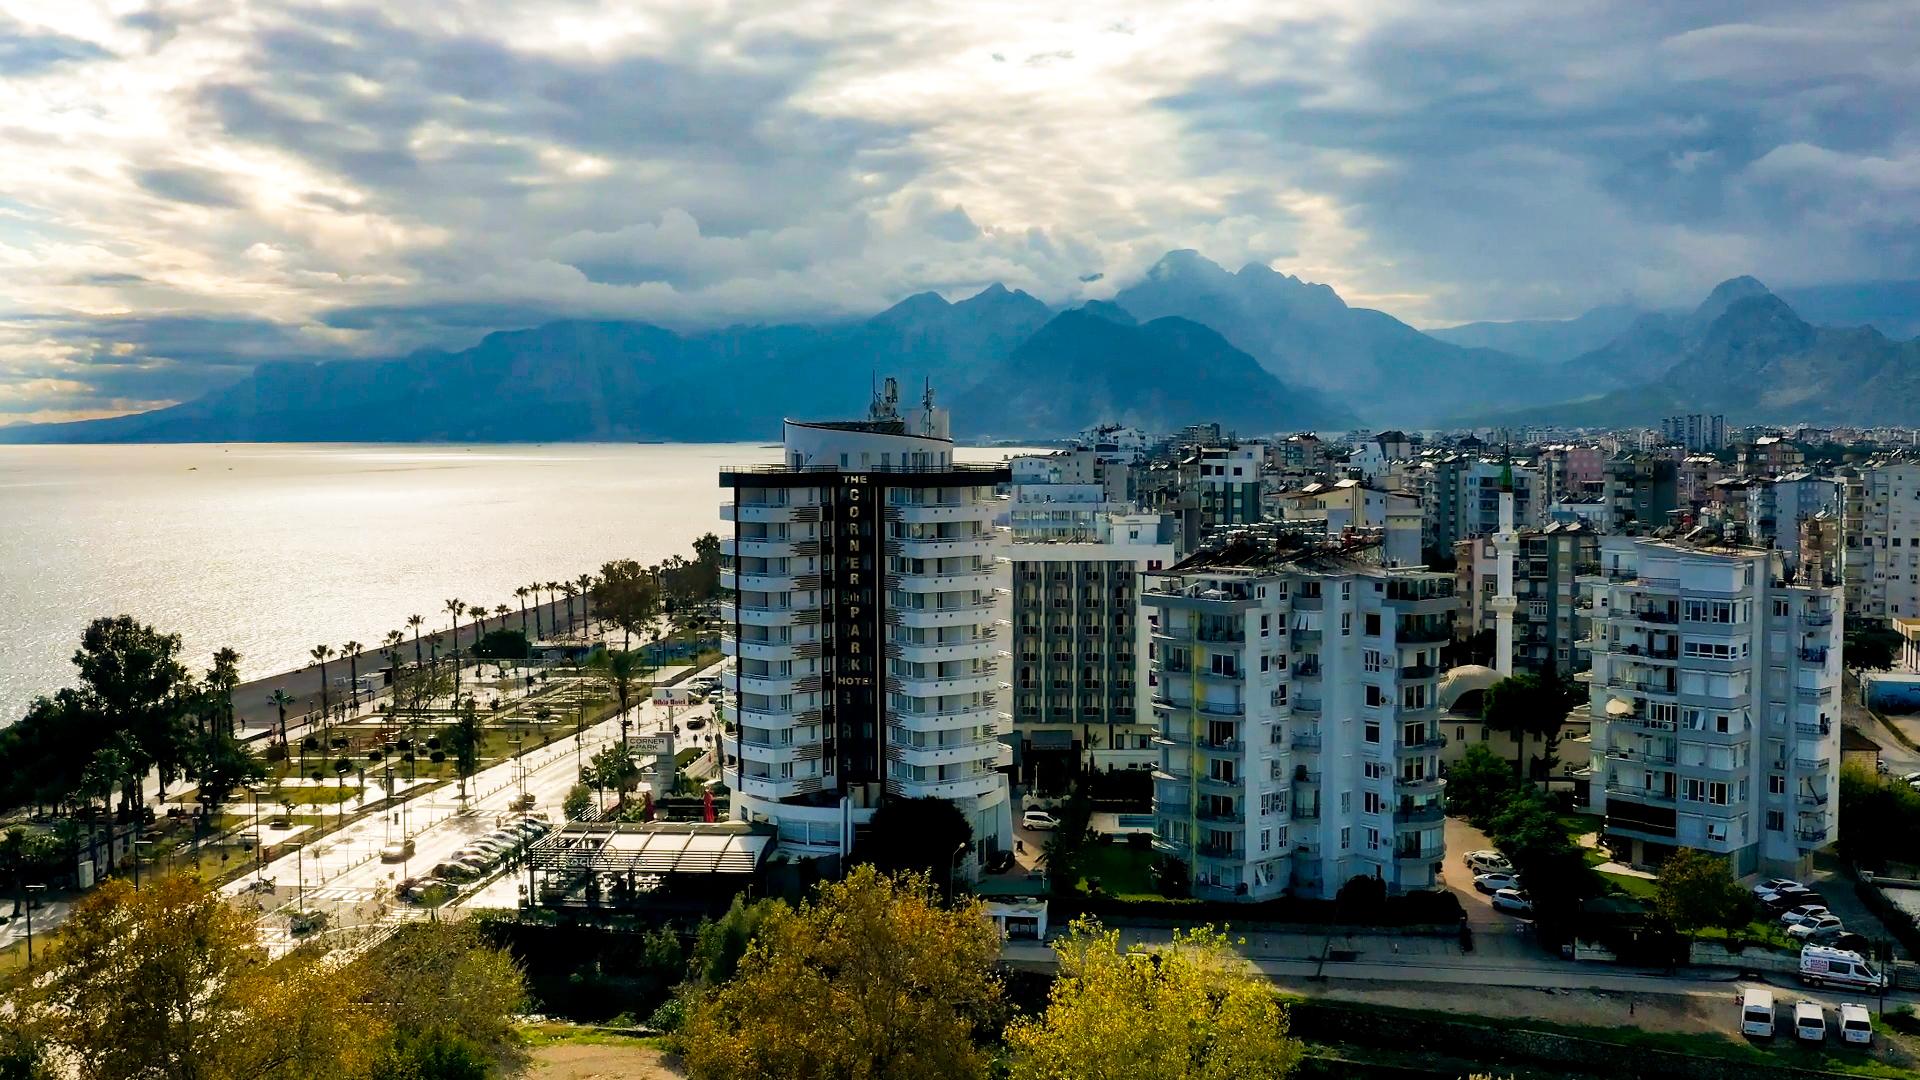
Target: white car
(1786,886)
(1486,862)
(1495,881)
(1796,916)
(1806,928)
(1514,900)
(1039,820)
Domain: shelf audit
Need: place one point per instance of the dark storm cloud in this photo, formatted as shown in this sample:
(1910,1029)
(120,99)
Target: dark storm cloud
(29,52)
(201,187)
(1504,150)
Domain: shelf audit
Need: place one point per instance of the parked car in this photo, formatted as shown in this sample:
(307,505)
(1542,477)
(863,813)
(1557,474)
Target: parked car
(1513,900)
(307,921)
(1486,862)
(398,851)
(1840,938)
(1805,928)
(1495,881)
(1809,1021)
(1039,820)
(1778,903)
(1855,1025)
(1796,915)
(696,723)
(1779,885)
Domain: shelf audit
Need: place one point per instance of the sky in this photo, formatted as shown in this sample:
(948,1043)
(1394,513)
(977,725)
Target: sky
(187,189)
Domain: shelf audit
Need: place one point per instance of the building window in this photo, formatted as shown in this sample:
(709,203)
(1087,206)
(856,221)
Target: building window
(1265,620)
(1373,803)
(1375,770)
(1346,838)
(1346,623)
(1372,734)
(1776,821)
(1776,784)
(1373,624)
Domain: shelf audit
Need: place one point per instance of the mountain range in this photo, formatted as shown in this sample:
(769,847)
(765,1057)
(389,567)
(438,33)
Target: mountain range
(1255,349)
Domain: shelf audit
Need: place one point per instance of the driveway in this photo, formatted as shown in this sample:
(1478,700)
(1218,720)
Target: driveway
(1462,838)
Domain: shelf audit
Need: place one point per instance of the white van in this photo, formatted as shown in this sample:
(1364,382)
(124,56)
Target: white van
(1855,1025)
(1822,966)
(1756,1014)
(1809,1022)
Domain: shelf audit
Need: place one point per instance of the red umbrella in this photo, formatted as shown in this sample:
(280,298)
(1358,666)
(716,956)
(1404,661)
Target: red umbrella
(709,804)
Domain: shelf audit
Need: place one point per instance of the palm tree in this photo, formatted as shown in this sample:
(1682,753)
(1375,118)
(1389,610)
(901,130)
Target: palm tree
(618,671)
(537,622)
(351,650)
(567,588)
(415,621)
(321,653)
(222,678)
(280,699)
(454,608)
(479,615)
(585,582)
(521,592)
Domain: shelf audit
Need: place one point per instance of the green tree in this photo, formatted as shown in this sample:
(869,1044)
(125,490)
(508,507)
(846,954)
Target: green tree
(280,699)
(1067,845)
(627,596)
(1191,1009)
(320,654)
(1892,807)
(222,678)
(351,652)
(873,979)
(132,681)
(416,621)
(1696,891)
(220,763)
(1479,784)
(463,740)
(441,986)
(619,673)
(1870,646)
(171,981)
(578,799)
(613,768)
(1522,705)
(924,835)
(1531,835)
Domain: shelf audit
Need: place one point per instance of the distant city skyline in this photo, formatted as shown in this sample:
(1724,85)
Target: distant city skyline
(189,191)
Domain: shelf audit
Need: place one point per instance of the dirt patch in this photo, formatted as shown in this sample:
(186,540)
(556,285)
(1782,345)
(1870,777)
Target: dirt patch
(601,1061)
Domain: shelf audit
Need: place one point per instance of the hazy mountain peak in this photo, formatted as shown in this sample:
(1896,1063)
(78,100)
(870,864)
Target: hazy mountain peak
(1724,296)
(1764,319)
(1185,263)
(918,306)
(1110,311)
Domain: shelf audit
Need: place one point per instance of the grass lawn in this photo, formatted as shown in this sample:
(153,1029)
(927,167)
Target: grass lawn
(1636,887)
(1758,932)
(1579,825)
(1122,871)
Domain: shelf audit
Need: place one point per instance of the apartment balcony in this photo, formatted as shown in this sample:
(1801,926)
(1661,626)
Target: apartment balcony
(1306,706)
(1219,851)
(1172,633)
(1639,755)
(1811,798)
(768,787)
(1172,737)
(769,513)
(1813,693)
(1641,794)
(1813,656)
(970,787)
(1429,634)
(1811,729)
(1418,672)
(1305,740)
(767,752)
(1814,835)
(1649,616)
(1225,678)
(1427,743)
(1810,763)
(1816,618)
(1640,654)
(1220,747)
(1221,635)
(1307,670)
(1419,785)
(1304,775)
(1424,853)
(1420,815)
(933,513)
(749,548)
(1304,813)
(1215,783)
(1305,635)
(987,750)
(929,618)
(1168,593)
(1235,816)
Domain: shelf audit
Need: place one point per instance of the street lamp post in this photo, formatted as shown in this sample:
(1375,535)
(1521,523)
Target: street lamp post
(137,845)
(30,890)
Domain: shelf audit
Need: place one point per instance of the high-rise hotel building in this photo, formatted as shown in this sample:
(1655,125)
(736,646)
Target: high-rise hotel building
(1294,684)
(863,618)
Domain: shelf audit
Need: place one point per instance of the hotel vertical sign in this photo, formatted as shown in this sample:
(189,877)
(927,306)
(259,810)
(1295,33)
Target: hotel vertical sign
(855,685)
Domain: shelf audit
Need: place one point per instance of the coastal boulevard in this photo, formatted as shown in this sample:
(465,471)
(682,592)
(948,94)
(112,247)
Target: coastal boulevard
(342,874)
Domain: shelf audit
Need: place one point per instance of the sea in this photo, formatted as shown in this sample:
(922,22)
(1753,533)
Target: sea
(272,549)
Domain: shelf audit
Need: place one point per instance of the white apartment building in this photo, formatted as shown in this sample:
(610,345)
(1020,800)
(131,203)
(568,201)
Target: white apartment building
(1077,648)
(1881,530)
(1294,684)
(1776,507)
(863,571)
(1715,695)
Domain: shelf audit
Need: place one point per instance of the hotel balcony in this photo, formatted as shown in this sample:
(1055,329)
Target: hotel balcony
(769,650)
(992,751)
(1420,815)
(931,513)
(769,787)
(777,685)
(942,685)
(925,618)
(947,719)
(983,648)
(768,548)
(968,787)
(938,547)
(1640,794)
(768,513)
(1419,785)
(1305,740)
(762,613)
(959,581)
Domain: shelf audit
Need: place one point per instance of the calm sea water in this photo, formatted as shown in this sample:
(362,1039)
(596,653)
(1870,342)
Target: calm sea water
(273,549)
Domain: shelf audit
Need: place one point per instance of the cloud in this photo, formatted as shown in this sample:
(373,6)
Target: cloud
(193,188)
